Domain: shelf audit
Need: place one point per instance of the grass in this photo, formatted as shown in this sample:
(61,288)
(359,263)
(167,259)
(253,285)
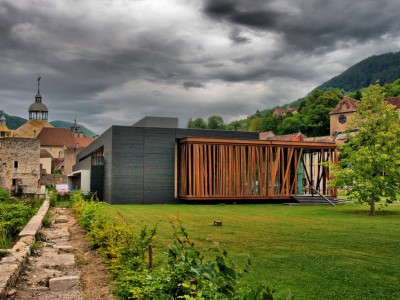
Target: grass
(314,252)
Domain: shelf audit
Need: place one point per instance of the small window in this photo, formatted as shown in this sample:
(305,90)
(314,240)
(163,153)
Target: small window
(16,164)
(342,119)
(14,182)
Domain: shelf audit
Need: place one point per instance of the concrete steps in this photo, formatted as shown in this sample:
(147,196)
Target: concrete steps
(314,200)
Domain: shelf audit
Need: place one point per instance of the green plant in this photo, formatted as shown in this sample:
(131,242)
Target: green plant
(53,198)
(46,221)
(14,216)
(5,239)
(4,195)
(187,274)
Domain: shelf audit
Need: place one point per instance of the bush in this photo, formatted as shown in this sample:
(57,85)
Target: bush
(188,273)
(5,239)
(4,195)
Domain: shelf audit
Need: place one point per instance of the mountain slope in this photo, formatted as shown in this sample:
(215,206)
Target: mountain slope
(385,68)
(13,122)
(66,124)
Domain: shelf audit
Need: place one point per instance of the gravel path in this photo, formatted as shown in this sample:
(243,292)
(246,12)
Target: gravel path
(64,267)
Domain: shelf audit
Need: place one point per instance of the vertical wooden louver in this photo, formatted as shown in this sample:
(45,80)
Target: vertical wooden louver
(251,169)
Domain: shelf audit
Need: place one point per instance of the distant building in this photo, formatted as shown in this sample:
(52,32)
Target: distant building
(4,130)
(38,118)
(283,111)
(343,113)
(270,136)
(63,145)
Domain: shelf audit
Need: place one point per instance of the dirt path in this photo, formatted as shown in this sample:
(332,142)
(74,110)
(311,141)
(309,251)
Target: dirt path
(65,266)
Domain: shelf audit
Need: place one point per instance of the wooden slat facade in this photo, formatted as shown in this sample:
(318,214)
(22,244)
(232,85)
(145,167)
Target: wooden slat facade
(251,169)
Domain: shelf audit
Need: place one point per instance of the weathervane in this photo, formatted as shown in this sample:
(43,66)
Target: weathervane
(38,84)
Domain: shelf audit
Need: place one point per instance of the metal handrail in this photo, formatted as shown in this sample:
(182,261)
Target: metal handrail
(325,198)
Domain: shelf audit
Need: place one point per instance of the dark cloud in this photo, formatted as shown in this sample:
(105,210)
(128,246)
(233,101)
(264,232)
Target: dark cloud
(188,85)
(311,25)
(112,62)
(237,38)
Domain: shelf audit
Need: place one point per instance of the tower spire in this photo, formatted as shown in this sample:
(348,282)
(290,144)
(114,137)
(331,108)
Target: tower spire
(38,84)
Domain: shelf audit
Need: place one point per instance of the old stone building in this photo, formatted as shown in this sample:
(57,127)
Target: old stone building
(4,130)
(38,118)
(19,164)
(63,144)
(342,114)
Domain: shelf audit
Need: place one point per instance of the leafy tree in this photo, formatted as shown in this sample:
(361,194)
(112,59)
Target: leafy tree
(255,124)
(291,124)
(316,109)
(370,165)
(237,125)
(215,122)
(271,122)
(197,123)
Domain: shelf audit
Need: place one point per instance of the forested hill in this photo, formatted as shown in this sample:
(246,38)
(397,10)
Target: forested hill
(385,68)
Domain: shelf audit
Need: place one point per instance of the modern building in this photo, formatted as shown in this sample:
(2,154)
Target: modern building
(153,164)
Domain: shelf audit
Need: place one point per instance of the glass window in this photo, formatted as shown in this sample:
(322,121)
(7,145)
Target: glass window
(342,119)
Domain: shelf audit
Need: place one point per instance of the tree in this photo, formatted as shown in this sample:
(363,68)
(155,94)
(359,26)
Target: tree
(198,123)
(369,167)
(255,124)
(315,111)
(290,124)
(215,122)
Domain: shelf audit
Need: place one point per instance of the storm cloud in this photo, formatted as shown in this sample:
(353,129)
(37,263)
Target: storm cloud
(114,61)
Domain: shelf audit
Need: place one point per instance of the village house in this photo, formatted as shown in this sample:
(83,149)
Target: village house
(343,113)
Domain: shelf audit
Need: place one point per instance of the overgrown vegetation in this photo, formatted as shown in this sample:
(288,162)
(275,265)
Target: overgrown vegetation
(188,272)
(14,215)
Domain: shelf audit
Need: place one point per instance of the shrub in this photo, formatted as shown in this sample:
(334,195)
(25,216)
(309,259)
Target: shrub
(4,195)
(46,221)
(5,239)
(188,273)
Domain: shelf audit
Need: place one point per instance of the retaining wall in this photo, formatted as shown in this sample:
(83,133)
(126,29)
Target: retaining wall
(11,266)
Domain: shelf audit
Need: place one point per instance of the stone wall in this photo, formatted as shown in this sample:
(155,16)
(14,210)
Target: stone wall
(19,163)
(335,125)
(53,179)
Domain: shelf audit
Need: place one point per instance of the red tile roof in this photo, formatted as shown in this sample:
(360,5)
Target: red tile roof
(395,101)
(347,104)
(60,137)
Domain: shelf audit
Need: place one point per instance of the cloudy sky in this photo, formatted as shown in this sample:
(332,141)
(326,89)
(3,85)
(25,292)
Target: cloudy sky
(109,62)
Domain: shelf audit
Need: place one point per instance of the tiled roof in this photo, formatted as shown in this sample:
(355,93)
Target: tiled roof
(279,111)
(347,104)
(32,128)
(61,137)
(56,137)
(298,136)
(83,142)
(395,101)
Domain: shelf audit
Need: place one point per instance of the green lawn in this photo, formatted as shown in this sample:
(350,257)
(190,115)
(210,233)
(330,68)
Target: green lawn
(315,252)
